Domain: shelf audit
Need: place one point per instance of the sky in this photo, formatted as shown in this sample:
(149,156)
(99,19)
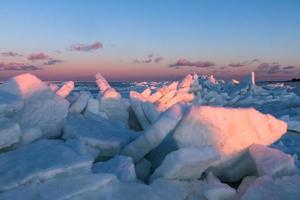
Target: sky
(150,39)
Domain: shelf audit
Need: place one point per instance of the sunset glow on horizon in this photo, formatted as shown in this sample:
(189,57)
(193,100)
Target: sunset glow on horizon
(149,40)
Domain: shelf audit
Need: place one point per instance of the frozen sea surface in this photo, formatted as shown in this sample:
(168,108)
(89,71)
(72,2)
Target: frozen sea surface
(125,87)
(290,143)
(196,138)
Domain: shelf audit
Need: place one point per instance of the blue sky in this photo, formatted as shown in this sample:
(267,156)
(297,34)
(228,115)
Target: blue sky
(134,33)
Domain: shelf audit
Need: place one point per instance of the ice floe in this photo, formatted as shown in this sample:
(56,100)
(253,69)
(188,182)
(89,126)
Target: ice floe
(196,139)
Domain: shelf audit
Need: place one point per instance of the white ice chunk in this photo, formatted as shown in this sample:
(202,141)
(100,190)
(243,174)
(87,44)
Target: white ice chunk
(170,189)
(167,97)
(23,85)
(214,189)
(136,105)
(154,97)
(102,83)
(10,132)
(181,97)
(53,87)
(231,131)
(186,163)
(46,111)
(271,162)
(99,134)
(245,184)
(120,166)
(81,102)
(9,103)
(146,93)
(38,162)
(150,111)
(77,146)
(155,134)
(93,109)
(186,82)
(286,187)
(122,191)
(66,89)
(30,135)
(61,188)
(111,101)
(114,106)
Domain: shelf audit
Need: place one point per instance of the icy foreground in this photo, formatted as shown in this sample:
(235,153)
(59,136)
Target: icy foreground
(199,138)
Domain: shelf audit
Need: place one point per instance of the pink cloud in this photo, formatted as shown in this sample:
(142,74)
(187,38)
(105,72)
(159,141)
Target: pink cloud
(10,54)
(53,61)
(150,59)
(37,56)
(86,47)
(158,59)
(237,65)
(17,67)
(184,63)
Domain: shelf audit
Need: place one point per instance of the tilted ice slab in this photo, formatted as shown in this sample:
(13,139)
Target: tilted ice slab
(155,134)
(10,132)
(61,188)
(92,109)
(120,166)
(271,162)
(186,163)
(45,110)
(101,82)
(136,105)
(66,89)
(81,102)
(145,111)
(230,131)
(286,187)
(111,101)
(39,162)
(100,134)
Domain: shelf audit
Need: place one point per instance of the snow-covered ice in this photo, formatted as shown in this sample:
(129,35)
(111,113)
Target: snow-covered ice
(39,162)
(155,134)
(29,135)
(103,135)
(200,138)
(271,162)
(111,101)
(81,102)
(230,131)
(93,109)
(9,103)
(45,110)
(120,166)
(286,187)
(61,188)
(10,132)
(23,85)
(186,163)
